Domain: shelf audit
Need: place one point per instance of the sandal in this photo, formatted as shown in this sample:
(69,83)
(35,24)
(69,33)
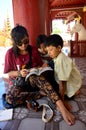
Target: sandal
(32,105)
(47,113)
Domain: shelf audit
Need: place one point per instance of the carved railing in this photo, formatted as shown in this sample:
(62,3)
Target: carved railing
(77,48)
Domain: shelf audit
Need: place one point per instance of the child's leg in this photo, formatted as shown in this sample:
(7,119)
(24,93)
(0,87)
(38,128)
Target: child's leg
(78,92)
(42,83)
(68,117)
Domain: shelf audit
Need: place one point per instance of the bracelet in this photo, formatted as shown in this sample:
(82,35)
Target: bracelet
(19,74)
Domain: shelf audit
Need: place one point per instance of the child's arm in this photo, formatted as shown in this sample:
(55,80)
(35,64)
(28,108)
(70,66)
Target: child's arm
(62,87)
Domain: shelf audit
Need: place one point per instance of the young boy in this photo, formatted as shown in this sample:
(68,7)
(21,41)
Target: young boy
(66,73)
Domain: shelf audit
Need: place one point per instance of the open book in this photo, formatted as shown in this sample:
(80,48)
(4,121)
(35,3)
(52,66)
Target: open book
(38,71)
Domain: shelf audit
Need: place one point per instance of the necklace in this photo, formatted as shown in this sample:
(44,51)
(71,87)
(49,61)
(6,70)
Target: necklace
(24,58)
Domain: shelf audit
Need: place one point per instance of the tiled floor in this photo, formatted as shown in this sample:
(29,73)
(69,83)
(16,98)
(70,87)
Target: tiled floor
(24,119)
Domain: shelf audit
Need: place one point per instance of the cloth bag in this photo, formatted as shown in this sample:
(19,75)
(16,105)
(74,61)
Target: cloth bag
(47,111)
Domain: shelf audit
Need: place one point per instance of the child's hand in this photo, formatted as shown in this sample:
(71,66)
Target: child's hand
(24,72)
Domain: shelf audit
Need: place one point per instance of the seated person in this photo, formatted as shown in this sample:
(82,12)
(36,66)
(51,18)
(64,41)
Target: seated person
(42,50)
(66,72)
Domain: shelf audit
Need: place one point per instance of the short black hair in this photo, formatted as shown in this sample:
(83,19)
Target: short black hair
(41,39)
(54,40)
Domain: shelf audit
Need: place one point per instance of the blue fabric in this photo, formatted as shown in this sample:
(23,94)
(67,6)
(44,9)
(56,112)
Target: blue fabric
(5,103)
(51,64)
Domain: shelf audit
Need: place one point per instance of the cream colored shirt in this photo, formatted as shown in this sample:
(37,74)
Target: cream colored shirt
(66,70)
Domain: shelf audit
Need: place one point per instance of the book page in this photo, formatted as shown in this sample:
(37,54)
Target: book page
(43,69)
(34,70)
(6,114)
(38,71)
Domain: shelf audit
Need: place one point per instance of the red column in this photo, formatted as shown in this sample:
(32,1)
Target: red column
(84,18)
(84,15)
(31,14)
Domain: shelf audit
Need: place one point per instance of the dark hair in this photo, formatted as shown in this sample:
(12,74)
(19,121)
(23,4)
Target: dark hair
(54,40)
(41,39)
(17,34)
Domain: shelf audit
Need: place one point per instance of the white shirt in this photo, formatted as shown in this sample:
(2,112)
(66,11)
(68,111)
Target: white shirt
(66,70)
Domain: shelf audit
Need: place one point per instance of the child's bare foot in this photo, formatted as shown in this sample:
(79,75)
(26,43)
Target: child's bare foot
(68,117)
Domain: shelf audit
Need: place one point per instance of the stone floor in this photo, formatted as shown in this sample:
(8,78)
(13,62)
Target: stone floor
(24,119)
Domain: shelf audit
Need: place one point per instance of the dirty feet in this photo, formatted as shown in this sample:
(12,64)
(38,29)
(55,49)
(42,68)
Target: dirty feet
(68,117)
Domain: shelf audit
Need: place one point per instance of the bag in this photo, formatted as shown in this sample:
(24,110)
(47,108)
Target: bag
(20,81)
(47,113)
(36,105)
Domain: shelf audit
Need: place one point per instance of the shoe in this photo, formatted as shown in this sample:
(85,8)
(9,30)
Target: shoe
(32,105)
(5,103)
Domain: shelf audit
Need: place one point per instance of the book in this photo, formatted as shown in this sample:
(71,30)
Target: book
(6,114)
(38,71)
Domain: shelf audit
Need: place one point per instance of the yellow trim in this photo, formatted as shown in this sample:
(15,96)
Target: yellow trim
(84,9)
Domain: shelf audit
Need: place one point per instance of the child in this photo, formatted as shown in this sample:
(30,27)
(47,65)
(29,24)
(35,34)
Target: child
(41,39)
(66,73)
(41,47)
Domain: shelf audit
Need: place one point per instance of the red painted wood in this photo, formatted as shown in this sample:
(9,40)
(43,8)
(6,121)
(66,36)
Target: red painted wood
(33,14)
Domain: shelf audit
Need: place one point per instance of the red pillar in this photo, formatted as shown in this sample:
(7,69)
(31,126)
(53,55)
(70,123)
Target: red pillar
(84,18)
(33,14)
